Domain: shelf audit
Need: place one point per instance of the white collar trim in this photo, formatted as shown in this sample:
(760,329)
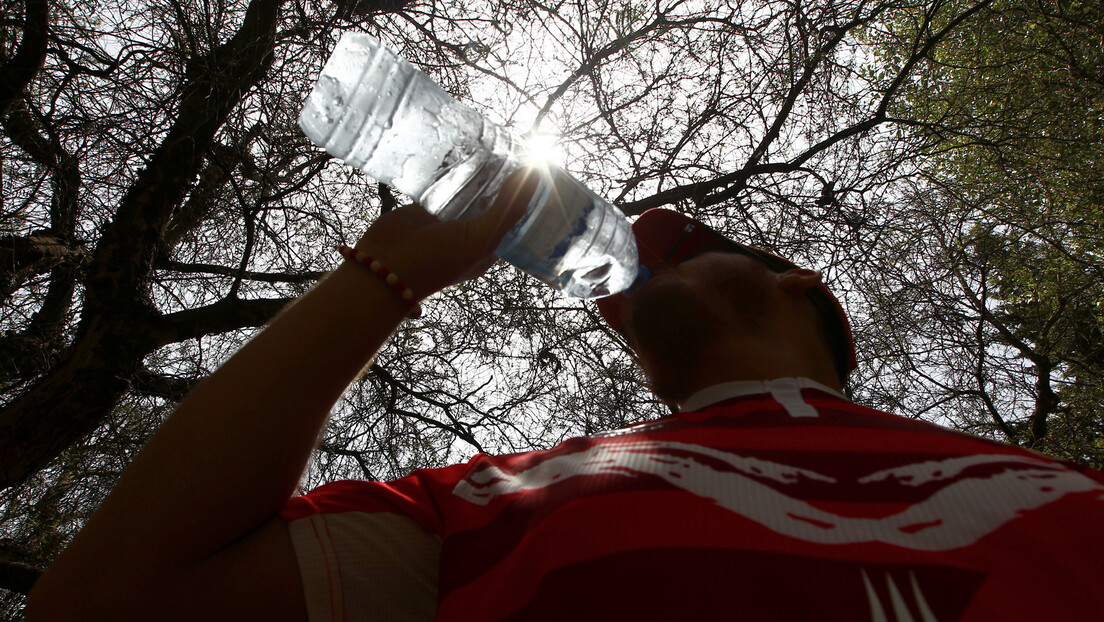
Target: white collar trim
(728,390)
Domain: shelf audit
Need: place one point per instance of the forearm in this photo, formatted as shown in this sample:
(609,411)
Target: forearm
(233,452)
(231,455)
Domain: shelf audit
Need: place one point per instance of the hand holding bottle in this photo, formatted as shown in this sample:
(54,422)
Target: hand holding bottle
(431,254)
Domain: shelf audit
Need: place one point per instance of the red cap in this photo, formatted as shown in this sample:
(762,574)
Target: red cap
(665,236)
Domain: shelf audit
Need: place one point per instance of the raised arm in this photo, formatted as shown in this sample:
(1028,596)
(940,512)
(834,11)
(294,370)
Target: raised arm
(189,530)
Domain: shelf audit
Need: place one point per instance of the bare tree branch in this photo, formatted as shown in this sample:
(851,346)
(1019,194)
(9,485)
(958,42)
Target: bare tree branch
(115,331)
(223,316)
(263,277)
(18,577)
(24,65)
(172,388)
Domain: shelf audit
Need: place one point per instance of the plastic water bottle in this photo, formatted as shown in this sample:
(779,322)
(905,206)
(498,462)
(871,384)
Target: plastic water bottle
(377,112)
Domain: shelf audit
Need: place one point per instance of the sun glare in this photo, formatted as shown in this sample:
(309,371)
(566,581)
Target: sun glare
(542,150)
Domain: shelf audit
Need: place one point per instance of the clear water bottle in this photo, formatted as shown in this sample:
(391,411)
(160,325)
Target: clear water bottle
(374,110)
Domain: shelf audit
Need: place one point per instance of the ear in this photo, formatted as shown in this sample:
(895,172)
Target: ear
(797,281)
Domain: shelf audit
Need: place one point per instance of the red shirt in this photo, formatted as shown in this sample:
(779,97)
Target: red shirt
(791,503)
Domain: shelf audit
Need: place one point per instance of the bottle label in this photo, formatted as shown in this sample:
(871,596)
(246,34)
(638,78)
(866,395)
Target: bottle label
(558,214)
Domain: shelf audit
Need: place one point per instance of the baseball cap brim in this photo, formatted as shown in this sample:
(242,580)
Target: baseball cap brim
(666,236)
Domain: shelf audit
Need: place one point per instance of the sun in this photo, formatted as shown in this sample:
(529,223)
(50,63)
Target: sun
(541,150)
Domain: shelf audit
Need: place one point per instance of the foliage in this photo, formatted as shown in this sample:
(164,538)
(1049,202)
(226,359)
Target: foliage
(1011,111)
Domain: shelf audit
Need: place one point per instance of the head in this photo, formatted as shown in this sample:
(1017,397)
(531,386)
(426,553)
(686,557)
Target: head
(711,307)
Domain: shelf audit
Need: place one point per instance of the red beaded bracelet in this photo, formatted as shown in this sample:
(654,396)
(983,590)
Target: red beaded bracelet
(392,279)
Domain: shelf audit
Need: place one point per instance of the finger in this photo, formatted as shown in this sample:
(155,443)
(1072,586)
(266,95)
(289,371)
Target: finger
(416,215)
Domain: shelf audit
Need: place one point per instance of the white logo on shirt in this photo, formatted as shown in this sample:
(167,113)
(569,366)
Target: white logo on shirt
(937,523)
(897,601)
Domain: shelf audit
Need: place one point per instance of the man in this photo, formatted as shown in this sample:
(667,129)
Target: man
(768,496)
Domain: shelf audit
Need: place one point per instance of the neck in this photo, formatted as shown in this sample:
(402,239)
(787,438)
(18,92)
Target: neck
(675,378)
(761,360)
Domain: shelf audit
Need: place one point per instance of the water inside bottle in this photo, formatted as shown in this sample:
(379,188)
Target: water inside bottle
(469,176)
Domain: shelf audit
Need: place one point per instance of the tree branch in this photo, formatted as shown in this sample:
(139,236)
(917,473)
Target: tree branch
(172,388)
(25,64)
(223,316)
(1046,401)
(262,277)
(117,327)
(18,577)
(725,187)
(455,428)
(24,257)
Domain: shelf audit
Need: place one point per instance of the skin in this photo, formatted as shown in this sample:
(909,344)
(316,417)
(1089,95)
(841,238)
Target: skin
(719,317)
(191,529)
